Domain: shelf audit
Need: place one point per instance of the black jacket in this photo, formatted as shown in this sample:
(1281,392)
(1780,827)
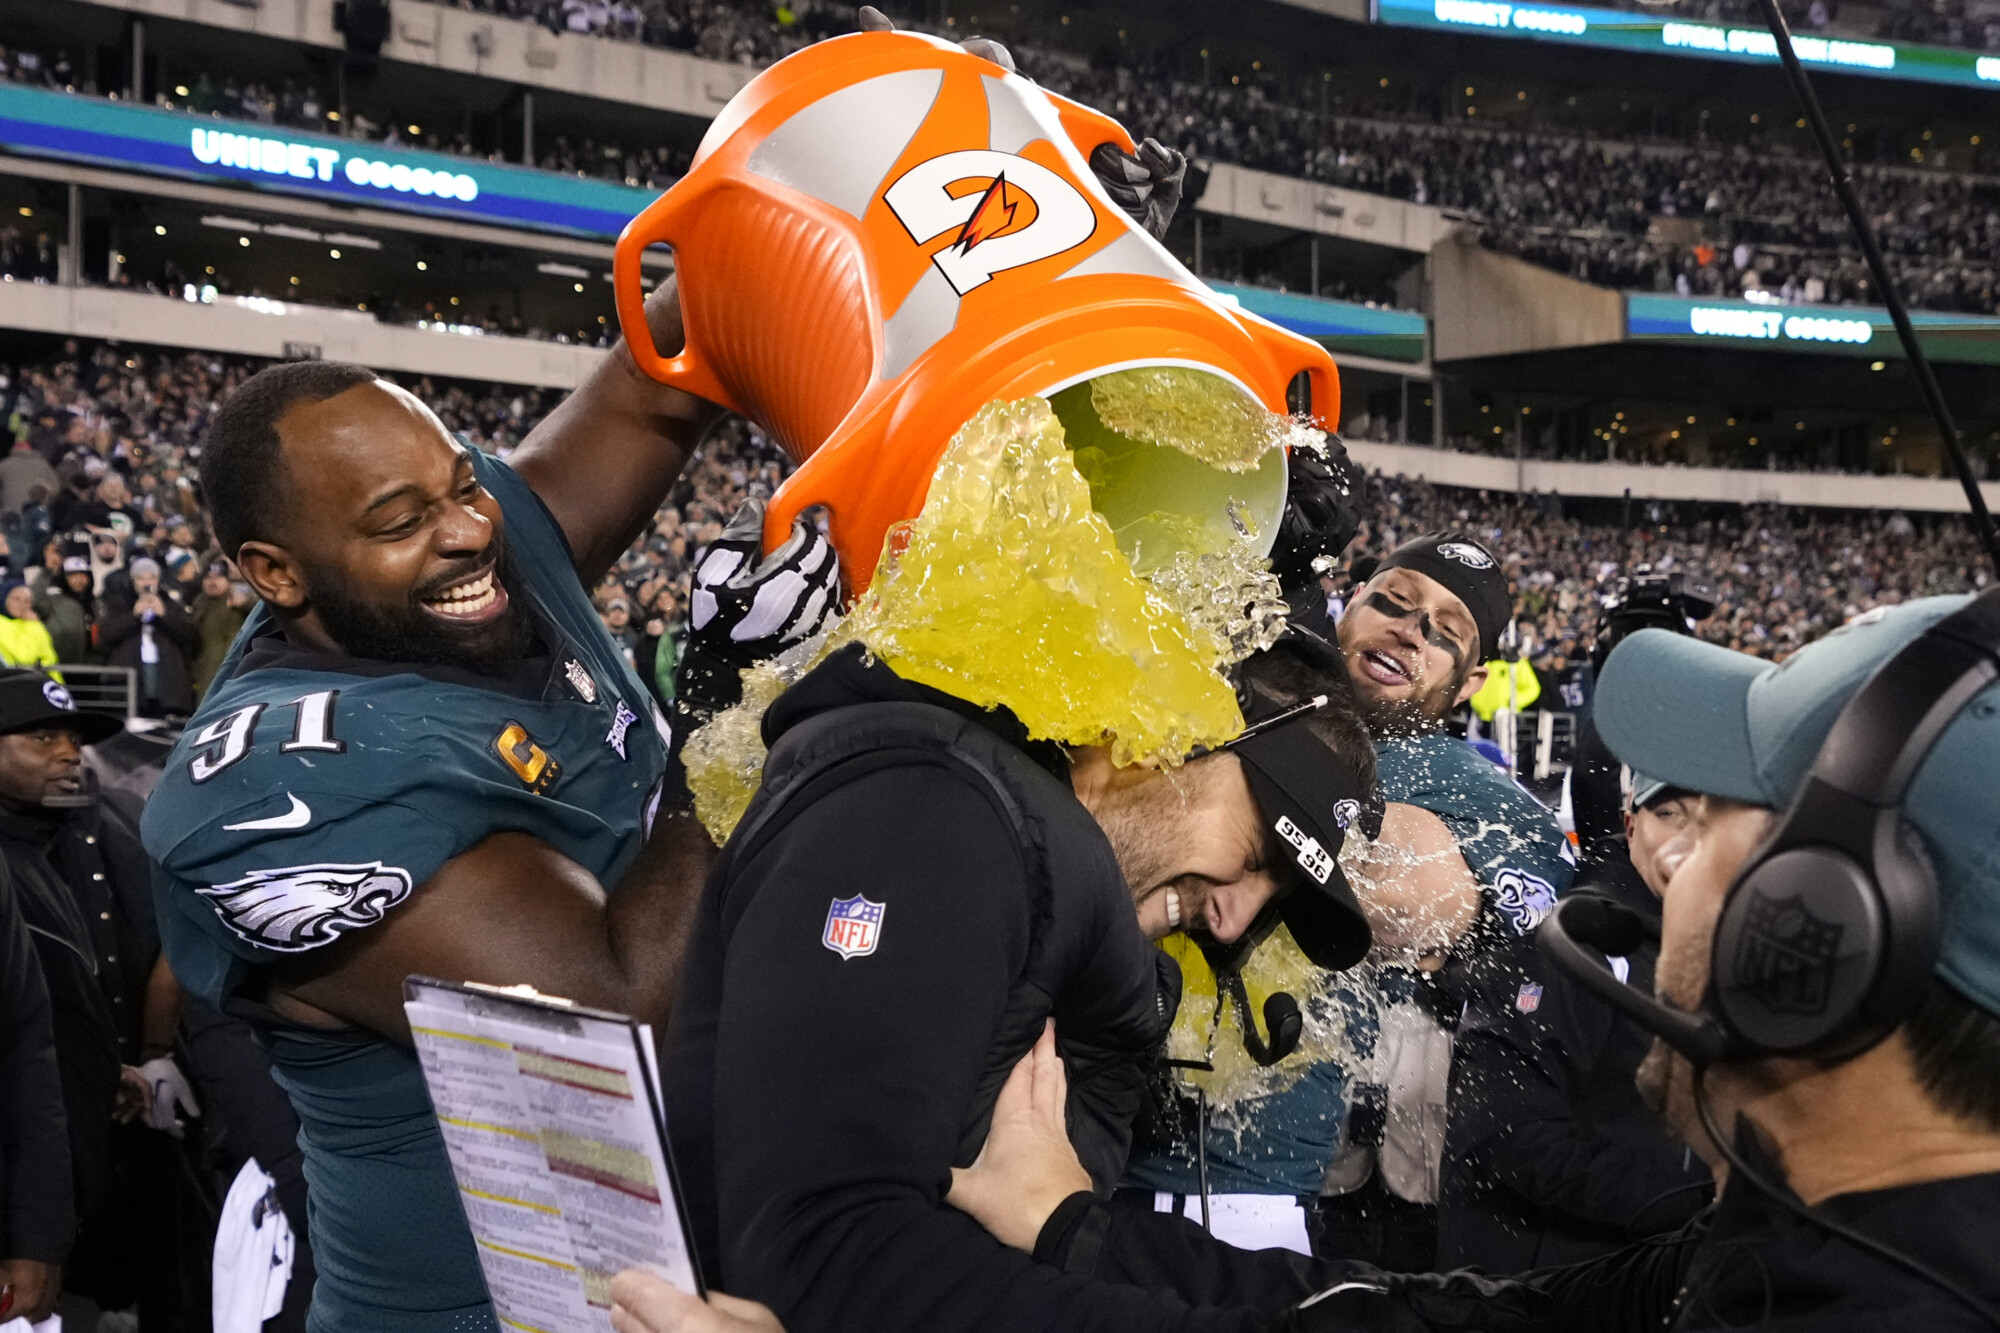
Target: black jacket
(1550,1155)
(818,1101)
(81,882)
(121,636)
(37,1207)
(1746,1261)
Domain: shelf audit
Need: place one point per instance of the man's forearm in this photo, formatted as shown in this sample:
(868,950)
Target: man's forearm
(650,917)
(604,461)
(514,911)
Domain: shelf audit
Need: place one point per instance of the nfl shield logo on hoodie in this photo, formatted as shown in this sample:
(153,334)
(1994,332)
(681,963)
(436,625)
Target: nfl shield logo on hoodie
(1528,998)
(853,926)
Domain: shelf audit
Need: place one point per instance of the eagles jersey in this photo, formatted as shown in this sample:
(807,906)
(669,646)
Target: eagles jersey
(1510,841)
(309,797)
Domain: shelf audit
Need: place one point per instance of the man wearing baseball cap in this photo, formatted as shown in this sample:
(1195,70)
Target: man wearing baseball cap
(79,875)
(1895,1149)
(1469,859)
(1311,772)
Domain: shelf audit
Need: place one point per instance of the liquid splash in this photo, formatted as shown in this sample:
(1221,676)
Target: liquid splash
(1204,1031)
(1197,412)
(1010,590)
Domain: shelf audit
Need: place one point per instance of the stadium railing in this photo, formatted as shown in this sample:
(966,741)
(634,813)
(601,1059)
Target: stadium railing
(102,689)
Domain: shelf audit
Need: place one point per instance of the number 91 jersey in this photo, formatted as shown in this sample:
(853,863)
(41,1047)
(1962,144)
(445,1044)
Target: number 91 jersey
(312,793)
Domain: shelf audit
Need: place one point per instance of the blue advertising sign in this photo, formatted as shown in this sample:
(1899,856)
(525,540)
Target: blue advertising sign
(1857,331)
(1585,25)
(41,123)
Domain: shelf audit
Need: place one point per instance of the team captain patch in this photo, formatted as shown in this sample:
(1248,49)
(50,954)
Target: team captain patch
(296,908)
(853,927)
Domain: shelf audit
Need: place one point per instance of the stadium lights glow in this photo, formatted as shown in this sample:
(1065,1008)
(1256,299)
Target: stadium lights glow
(291,233)
(159,231)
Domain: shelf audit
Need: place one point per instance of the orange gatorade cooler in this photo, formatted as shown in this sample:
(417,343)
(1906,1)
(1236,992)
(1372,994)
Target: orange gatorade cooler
(883,233)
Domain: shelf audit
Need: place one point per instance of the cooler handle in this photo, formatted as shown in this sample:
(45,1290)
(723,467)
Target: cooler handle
(654,225)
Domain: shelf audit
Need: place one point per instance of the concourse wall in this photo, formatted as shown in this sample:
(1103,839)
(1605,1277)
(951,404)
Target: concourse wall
(1445,467)
(279,328)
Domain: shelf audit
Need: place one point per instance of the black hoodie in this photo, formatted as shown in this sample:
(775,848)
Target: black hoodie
(818,1099)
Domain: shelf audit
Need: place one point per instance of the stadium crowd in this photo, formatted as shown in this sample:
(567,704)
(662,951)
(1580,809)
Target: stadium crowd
(98,501)
(100,495)
(1755,217)
(1783,577)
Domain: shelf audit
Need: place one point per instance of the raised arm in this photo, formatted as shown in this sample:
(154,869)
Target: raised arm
(604,461)
(510,911)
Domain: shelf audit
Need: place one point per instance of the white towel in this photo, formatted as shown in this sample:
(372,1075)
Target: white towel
(253,1254)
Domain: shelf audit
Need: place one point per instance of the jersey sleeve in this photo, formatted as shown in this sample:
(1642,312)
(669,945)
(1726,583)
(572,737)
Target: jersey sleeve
(1510,841)
(272,858)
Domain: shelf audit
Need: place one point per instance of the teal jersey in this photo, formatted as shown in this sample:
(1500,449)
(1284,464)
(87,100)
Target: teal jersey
(309,797)
(1510,842)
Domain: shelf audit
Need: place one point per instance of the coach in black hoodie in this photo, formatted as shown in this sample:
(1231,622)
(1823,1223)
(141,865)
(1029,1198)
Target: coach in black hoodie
(915,891)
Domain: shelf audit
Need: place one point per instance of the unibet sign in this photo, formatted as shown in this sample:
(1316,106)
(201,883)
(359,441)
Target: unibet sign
(282,157)
(1735,322)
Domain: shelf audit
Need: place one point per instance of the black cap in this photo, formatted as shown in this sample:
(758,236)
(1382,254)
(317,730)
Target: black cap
(30,699)
(1468,570)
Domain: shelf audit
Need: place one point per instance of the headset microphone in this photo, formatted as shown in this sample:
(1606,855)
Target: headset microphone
(1828,936)
(1612,931)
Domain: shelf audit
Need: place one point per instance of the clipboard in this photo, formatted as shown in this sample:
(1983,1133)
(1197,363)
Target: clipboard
(552,1119)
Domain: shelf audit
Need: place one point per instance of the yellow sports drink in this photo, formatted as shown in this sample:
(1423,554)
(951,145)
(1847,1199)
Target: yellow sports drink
(884,233)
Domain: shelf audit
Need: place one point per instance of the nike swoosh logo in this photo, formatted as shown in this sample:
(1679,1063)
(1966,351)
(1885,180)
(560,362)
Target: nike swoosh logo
(298,816)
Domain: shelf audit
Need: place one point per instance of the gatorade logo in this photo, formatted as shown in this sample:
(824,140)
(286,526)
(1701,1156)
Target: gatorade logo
(1000,209)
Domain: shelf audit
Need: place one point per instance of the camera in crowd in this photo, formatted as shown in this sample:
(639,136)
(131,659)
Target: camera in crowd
(1645,599)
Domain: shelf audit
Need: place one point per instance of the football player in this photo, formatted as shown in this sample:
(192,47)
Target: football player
(424,754)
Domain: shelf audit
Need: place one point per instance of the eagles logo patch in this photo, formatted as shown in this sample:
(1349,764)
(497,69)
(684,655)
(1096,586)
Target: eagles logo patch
(1522,899)
(296,908)
(1466,554)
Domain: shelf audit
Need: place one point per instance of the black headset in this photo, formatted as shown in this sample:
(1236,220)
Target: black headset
(1828,937)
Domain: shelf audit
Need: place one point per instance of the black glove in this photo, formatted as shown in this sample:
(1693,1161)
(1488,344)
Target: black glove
(747,606)
(1322,513)
(1147,186)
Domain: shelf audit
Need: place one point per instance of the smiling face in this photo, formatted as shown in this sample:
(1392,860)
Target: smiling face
(20,603)
(397,553)
(1190,843)
(1412,649)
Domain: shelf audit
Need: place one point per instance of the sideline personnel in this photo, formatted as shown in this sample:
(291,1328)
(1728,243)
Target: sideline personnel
(1465,857)
(1866,1182)
(424,754)
(916,887)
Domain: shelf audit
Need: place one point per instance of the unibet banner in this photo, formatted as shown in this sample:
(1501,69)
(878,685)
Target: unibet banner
(264,157)
(1840,330)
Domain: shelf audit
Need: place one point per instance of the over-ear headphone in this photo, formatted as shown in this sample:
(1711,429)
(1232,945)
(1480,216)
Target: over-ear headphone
(1828,936)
